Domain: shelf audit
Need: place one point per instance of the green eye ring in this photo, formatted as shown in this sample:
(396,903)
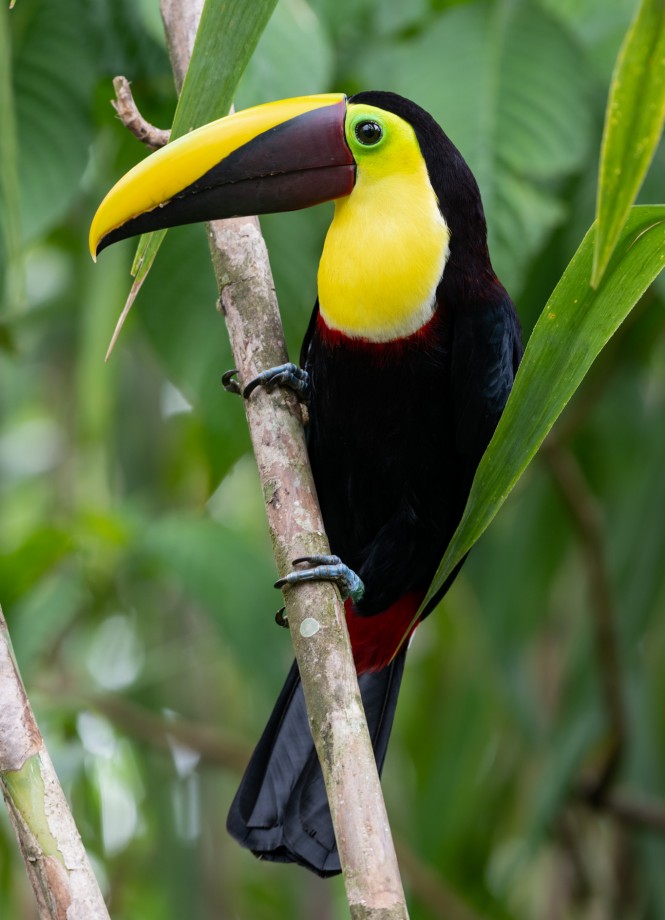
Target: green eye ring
(368,132)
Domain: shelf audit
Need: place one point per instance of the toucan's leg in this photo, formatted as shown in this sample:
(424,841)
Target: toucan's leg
(284,375)
(326,568)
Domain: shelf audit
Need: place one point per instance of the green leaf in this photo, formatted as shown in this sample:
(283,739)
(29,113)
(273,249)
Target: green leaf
(195,352)
(228,572)
(10,222)
(226,38)
(293,57)
(573,328)
(633,126)
(147,249)
(599,26)
(26,565)
(53,68)
(509,90)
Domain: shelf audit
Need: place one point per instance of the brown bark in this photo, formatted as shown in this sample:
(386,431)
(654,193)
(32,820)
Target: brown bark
(132,119)
(56,862)
(315,611)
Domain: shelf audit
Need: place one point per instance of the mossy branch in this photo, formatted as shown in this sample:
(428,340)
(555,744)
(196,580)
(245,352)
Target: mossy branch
(55,859)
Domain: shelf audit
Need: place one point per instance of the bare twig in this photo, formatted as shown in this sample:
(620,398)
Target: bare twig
(129,115)
(316,614)
(217,750)
(633,810)
(60,874)
(162,731)
(585,514)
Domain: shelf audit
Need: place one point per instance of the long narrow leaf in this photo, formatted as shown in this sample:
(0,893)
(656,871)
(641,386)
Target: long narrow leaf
(226,38)
(574,326)
(225,41)
(633,126)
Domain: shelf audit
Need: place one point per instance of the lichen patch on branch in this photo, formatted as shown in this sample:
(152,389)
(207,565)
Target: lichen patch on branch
(19,735)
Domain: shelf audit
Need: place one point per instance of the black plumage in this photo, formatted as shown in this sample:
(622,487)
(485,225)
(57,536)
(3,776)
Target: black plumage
(396,432)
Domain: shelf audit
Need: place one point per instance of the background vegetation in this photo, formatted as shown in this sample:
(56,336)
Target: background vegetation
(135,570)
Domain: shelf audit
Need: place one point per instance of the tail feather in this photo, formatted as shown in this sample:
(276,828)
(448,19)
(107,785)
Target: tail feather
(280,811)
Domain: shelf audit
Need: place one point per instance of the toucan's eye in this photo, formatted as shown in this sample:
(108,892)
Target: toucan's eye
(369,132)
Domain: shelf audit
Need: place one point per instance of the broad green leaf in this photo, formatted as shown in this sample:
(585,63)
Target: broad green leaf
(53,106)
(633,126)
(130,39)
(230,574)
(194,352)
(573,328)
(10,224)
(295,240)
(599,26)
(394,16)
(26,565)
(293,57)
(508,88)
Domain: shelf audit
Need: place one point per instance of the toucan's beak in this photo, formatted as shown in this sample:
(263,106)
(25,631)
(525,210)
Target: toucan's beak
(275,157)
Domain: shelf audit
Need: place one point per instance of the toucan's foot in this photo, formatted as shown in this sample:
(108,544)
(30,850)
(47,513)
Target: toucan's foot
(326,568)
(229,384)
(284,375)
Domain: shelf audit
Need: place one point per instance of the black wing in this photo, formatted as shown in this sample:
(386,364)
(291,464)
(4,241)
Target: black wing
(486,351)
(304,349)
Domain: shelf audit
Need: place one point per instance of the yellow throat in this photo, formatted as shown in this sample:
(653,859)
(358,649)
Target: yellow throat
(387,246)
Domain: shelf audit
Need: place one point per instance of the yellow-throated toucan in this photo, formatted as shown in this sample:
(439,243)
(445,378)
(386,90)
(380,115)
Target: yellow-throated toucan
(406,366)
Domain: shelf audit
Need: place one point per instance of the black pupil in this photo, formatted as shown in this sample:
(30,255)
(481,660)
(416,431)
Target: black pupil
(368,132)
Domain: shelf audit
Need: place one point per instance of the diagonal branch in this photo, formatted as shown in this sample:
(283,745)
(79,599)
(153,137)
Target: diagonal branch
(55,859)
(583,510)
(315,611)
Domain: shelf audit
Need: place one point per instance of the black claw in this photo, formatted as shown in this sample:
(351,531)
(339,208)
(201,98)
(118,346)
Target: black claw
(281,618)
(283,375)
(229,384)
(318,559)
(251,386)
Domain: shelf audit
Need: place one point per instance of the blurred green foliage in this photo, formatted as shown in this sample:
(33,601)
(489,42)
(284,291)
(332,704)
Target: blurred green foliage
(134,562)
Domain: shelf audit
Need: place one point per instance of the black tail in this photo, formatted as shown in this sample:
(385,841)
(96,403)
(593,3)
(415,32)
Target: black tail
(280,812)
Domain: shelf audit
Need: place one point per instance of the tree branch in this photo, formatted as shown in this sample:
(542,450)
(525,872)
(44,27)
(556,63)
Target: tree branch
(637,812)
(217,750)
(158,730)
(584,512)
(56,862)
(129,115)
(316,614)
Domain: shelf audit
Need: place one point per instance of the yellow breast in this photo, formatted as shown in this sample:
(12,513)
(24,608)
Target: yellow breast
(386,248)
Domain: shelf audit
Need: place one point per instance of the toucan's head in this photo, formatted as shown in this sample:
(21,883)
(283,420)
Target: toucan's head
(406,200)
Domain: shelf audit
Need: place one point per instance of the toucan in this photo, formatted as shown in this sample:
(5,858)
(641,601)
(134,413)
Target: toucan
(406,366)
